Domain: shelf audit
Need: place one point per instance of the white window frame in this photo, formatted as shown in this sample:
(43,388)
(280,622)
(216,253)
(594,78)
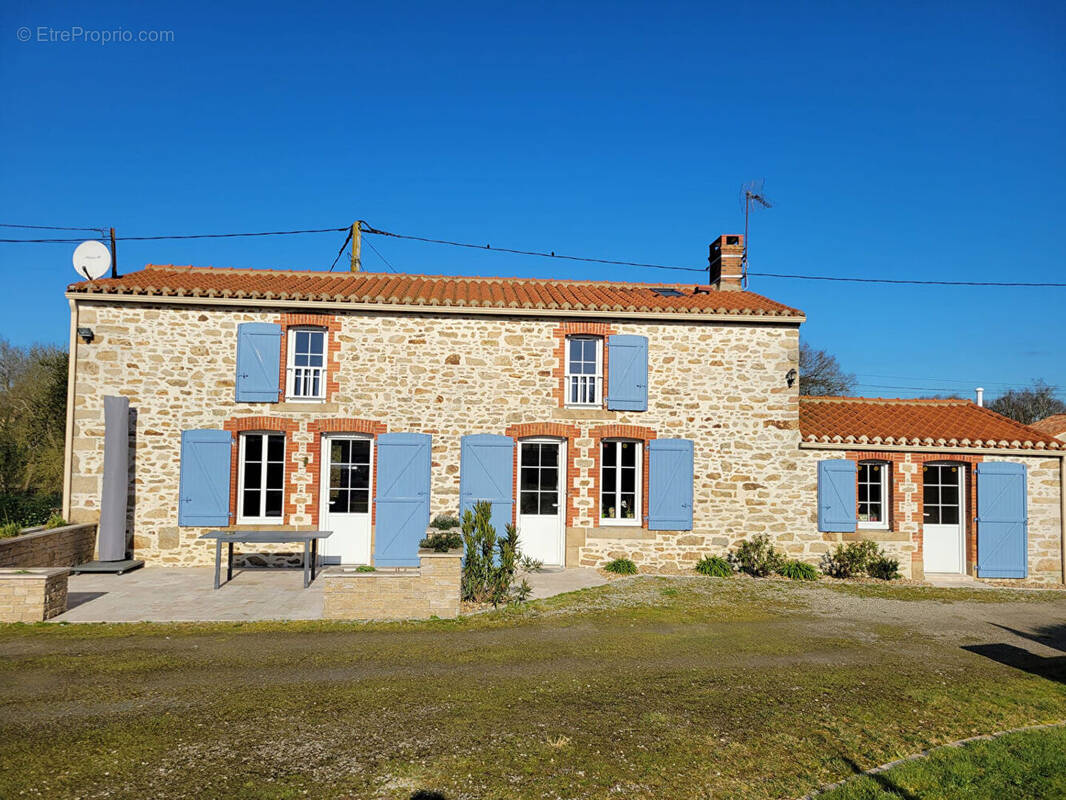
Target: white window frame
(597,378)
(638,494)
(262,519)
(291,368)
(886,500)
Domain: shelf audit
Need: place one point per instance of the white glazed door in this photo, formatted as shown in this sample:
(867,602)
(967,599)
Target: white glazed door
(345,499)
(944,518)
(542,499)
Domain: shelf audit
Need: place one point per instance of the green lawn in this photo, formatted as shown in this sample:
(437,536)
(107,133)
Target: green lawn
(1019,766)
(647,687)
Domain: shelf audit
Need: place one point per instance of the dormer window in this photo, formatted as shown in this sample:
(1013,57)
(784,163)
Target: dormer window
(584,371)
(306,369)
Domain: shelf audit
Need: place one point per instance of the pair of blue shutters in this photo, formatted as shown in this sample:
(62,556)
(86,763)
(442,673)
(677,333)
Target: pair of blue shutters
(1002,518)
(627,373)
(402,501)
(487,473)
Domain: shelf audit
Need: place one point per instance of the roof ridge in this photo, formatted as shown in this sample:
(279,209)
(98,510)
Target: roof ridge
(933,401)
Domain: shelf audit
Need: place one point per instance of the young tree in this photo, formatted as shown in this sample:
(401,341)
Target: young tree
(1030,404)
(820,373)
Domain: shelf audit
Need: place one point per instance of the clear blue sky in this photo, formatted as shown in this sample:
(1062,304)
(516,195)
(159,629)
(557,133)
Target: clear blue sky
(903,140)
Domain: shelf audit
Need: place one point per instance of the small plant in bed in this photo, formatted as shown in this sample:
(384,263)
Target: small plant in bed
(9,529)
(55,521)
(714,566)
(883,568)
(365,568)
(757,557)
(621,566)
(442,541)
(444,522)
(797,570)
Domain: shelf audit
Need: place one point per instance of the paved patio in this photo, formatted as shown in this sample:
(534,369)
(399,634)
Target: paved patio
(184,594)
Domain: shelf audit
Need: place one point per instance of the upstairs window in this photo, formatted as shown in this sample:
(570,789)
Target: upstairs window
(262,478)
(584,371)
(873,494)
(306,369)
(620,482)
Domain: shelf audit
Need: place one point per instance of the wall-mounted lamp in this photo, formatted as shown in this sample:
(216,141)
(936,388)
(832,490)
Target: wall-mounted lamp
(86,334)
(790,377)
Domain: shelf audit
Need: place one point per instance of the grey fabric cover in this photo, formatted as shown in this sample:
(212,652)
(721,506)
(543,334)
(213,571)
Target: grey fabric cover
(115,489)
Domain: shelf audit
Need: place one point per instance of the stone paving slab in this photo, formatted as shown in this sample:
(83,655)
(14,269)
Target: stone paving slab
(557,580)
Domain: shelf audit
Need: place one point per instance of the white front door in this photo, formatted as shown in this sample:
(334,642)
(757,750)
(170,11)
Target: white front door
(345,498)
(944,519)
(542,499)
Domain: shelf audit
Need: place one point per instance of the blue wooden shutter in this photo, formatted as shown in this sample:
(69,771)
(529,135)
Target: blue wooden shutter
(258,362)
(627,373)
(486,472)
(836,495)
(1002,521)
(203,485)
(402,501)
(670,485)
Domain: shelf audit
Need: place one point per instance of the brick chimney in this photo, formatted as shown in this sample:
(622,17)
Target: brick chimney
(724,262)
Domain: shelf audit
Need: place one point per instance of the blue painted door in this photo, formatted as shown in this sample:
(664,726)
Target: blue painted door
(486,472)
(627,373)
(836,495)
(670,485)
(258,362)
(203,483)
(1002,521)
(402,501)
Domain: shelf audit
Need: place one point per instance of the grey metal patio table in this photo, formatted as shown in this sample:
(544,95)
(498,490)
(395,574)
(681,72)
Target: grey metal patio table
(309,538)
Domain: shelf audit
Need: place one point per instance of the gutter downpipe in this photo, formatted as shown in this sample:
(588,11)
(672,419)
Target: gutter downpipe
(68,438)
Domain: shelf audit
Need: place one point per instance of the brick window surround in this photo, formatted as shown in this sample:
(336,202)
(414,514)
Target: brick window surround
(897,514)
(318,456)
(326,322)
(637,432)
(239,425)
(560,333)
(552,430)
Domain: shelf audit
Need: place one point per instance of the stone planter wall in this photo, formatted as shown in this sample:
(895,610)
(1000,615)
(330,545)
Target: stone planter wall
(428,590)
(67,546)
(32,595)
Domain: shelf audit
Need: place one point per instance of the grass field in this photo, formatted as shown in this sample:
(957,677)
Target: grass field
(647,687)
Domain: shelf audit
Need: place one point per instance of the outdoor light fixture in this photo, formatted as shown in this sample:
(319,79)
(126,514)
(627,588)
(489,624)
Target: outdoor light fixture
(86,334)
(790,377)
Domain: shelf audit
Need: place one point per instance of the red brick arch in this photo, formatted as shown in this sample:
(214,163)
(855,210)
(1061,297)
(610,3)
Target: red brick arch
(239,425)
(554,430)
(601,432)
(316,428)
(601,329)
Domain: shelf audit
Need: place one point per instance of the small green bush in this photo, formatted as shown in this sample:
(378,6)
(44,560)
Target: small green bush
(883,568)
(797,570)
(444,522)
(55,521)
(443,541)
(365,568)
(9,529)
(757,557)
(849,560)
(715,566)
(621,566)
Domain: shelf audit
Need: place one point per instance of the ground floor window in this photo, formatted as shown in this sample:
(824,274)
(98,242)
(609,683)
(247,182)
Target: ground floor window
(620,482)
(873,494)
(262,477)
(349,476)
(941,502)
(539,486)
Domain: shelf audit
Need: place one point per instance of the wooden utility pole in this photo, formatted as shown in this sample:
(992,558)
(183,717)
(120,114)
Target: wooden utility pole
(356,258)
(114,256)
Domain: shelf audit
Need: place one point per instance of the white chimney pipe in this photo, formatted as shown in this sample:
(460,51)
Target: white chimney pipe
(980,395)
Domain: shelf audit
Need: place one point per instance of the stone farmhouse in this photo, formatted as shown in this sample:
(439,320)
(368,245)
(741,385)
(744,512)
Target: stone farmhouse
(658,422)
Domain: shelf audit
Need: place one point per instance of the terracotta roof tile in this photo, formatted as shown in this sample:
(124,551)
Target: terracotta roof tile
(423,290)
(921,423)
(1055,425)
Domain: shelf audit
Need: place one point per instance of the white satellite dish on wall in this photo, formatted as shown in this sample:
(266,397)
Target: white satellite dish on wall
(91,260)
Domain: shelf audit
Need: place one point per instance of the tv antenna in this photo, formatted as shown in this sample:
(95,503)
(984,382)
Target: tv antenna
(752,197)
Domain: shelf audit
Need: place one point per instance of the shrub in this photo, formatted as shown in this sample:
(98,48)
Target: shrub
(55,521)
(490,562)
(797,570)
(621,566)
(365,568)
(715,566)
(28,509)
(849,560)
(444,522)
(883,568)
(9,529)
(756,557)
(442,541)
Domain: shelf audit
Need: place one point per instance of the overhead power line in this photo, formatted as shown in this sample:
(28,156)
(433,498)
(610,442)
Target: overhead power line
(387,264)
(48,227)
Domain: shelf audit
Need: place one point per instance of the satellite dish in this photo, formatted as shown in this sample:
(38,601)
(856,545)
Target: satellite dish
(91,260)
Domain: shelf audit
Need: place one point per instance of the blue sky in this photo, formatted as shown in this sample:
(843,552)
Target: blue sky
(896,140)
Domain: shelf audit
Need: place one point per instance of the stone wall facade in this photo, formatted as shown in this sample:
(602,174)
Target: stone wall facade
(721,384)
(430,590)
(32,595)
(67,546)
